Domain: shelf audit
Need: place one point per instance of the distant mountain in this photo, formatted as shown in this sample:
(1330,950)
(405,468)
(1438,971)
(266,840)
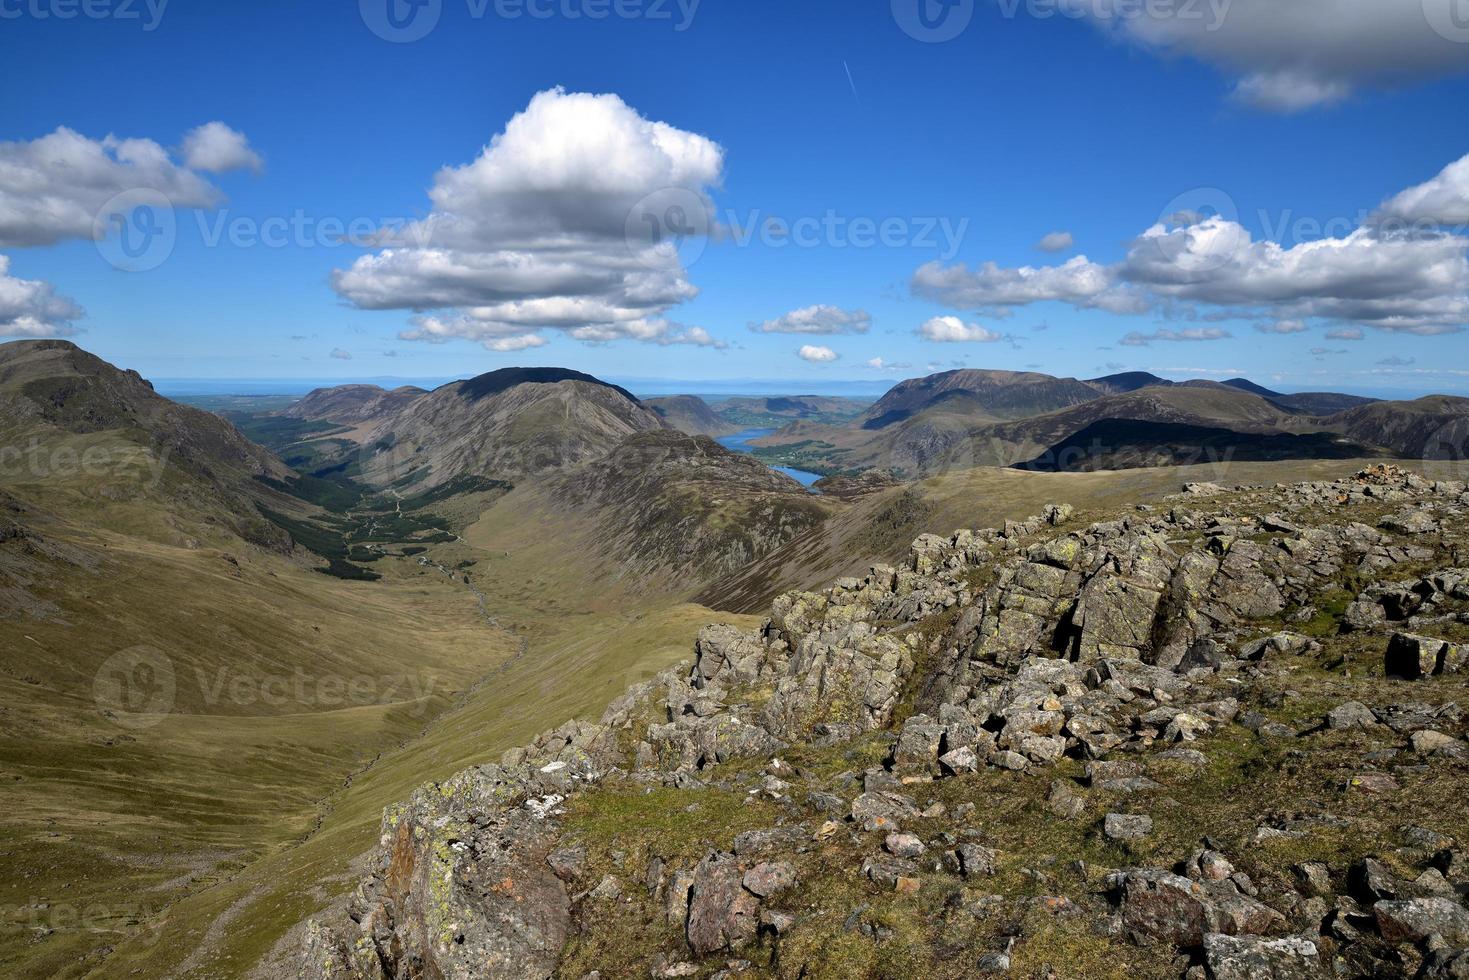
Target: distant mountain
(1118,384)
(784,409)
(501,425)
(690,414)
(1321,402)
(353,404)
(928,445)
(995,394)
(1244,384)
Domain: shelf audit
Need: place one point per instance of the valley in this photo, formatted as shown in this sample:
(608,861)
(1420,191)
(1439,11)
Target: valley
(228,704)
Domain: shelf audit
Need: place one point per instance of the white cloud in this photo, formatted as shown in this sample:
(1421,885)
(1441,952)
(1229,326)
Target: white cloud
(1380,275)
(218,148)
(817,320)
(1444,200)
(338,354)
(1079,282)
(817,355)
(1192,334)
(31,308)
(1345,333)
(1291,56)
(546,229)
(1282,326)
(507,344)
(878,364)
(1056,241)
(1415,284)
(951,329)
(65,185)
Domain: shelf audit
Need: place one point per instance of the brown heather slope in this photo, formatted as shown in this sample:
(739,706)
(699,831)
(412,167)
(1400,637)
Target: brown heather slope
(353,404)
(998,394)
(502,425)
(1436,427)
(72,424)
(690,414)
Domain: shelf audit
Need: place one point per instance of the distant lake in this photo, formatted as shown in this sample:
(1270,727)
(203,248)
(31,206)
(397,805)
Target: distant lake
(740,443)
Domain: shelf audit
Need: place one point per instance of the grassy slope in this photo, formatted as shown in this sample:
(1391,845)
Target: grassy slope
(110,823)
(586,643)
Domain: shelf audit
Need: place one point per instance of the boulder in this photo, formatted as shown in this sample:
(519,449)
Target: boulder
(1411,657)
(770,878)
(1249,958)
(722,913)
(1126,826)
(1414,920)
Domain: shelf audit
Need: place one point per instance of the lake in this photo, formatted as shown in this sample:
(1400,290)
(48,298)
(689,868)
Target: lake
(740,443)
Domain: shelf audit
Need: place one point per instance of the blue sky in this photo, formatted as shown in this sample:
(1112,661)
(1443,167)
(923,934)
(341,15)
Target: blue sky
(971,150)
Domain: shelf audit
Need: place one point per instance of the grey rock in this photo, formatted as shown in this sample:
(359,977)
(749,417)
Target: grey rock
(770,878)
(1126,826)
(1249,958)
(1352,714)
(1414,920)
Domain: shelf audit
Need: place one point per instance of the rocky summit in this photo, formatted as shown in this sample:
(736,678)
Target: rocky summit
(1214,737)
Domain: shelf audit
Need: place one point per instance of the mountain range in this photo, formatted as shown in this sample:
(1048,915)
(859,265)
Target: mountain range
(188,600)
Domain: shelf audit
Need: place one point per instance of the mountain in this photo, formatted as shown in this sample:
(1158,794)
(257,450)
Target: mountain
(761,413)
(1117,384)
(1243,384)
(1306,403)
(1321,402)
(1435,428)
(81,429)
(681,507)
(993,394)
(959,419)
(501,425)
(353,404)
(690,414)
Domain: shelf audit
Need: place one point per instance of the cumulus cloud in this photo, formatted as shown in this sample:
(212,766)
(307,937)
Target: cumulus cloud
(338,354)
(65,185)
(1411,283)
(31,308)
(817,320)
(1292,56)
(1381,275)
(951,330)
(1345,333)
(571,220)
(218,148)
(1056,241)
(1282,326)
(1444,200)
(817,355)
(1080,282)
(1192,334)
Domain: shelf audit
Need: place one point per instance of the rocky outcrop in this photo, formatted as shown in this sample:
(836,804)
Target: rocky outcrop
(1097,658)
